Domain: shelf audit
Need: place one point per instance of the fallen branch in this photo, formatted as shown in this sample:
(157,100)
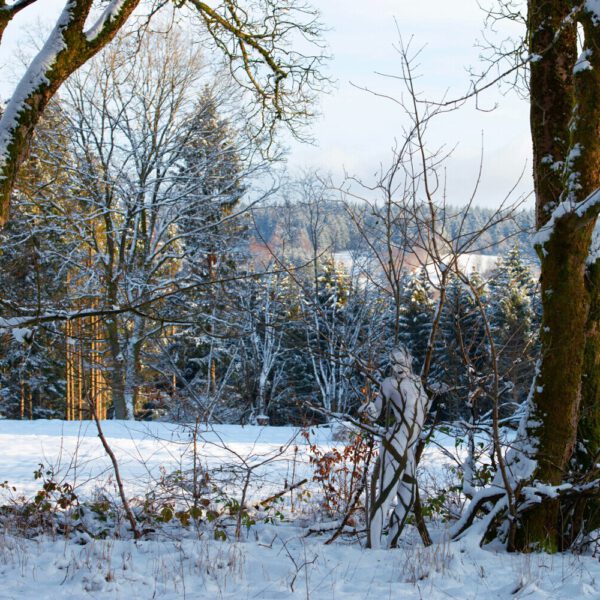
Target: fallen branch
(270,499)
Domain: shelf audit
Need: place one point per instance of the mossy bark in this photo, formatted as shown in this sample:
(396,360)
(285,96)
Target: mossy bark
(551,98)
(565,125)
(8,12)
(586,511)
(589,423)
(552,426)
(77,50)
(587,164)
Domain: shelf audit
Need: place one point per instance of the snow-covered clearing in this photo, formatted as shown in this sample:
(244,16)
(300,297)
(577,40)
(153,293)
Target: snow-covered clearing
(275,559)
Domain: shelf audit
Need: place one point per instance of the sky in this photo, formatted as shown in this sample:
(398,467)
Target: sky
(356,129)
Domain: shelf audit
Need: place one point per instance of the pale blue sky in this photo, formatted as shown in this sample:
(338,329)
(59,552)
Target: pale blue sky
(356,129)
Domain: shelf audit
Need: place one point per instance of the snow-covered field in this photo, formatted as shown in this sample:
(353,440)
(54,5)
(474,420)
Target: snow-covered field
(275,560)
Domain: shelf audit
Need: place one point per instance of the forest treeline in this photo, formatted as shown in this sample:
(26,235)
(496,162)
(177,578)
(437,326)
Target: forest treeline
(282,347)
(291,220)
(149,271)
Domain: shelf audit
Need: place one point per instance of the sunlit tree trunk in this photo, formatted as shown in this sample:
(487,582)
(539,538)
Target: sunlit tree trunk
(67,48)
(565,125)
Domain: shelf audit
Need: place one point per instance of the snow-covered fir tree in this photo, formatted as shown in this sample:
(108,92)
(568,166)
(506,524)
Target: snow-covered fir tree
(213,236)
(417,307)
(514,313)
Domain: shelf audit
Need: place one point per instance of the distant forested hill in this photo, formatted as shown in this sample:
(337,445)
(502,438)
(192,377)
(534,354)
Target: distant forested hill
(332,225)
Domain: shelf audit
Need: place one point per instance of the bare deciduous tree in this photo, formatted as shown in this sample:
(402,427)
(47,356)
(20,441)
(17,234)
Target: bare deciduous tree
(258,43)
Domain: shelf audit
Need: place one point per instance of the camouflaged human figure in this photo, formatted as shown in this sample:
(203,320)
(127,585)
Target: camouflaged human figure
(403,404)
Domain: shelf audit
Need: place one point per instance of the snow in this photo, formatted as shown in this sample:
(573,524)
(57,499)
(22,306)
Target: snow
(17,322)
(109,13)
(21,334)
(481,263)
(345,260)
(274,561)
(576,151)
(563,209)
(35,76)
(265,570)
(583,63)
(594,252)
(593,6)
(466,263)
(73,449)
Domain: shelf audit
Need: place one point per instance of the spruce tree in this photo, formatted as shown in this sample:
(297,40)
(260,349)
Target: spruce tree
(462,353)
(211,174)
(416,315)
(514,317)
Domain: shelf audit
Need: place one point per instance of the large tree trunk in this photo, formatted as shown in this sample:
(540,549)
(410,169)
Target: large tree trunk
(587,83)
(552,427)
(586,511)
(125,367)
(132,366)
(551,89)
(565,124)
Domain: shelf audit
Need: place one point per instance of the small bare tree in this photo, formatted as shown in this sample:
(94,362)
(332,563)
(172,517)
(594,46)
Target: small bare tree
(407,224)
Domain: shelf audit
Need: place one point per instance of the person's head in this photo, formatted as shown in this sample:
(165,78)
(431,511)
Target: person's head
(401,361)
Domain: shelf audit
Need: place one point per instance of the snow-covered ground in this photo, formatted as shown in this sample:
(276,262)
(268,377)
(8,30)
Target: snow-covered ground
(274,561)
(144,450)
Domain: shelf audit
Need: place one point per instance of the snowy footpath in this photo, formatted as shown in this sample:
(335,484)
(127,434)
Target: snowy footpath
(276,560)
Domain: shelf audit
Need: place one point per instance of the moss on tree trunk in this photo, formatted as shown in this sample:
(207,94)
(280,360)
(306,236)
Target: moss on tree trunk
(565,125)
(77,50)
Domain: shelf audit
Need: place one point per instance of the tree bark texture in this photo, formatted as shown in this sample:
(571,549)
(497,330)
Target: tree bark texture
(565,127)
(67,48)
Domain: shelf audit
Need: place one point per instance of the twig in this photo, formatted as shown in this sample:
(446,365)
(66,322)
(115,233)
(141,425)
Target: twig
(130,516)
(281,493)
(357,494)
(420,519)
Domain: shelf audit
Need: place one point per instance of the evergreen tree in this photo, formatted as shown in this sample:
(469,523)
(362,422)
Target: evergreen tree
(416,316)
(212,172)
(514,313)
(211,159)
(462,353)
(32,360)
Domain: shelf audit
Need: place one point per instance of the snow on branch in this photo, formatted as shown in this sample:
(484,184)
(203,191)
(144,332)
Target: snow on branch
(588,207)
(110,13)
(36,76)
(13,9)
(14,324)
(593,7)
